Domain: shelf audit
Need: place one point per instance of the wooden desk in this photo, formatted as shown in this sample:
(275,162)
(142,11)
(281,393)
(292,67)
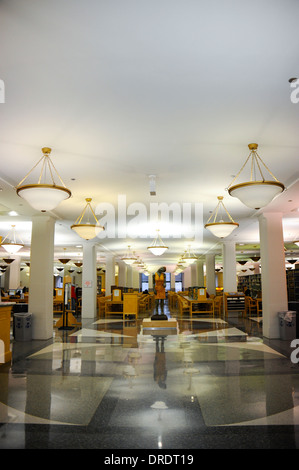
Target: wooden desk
(128,306)
(57,306)
(114,307)
(259,307)
(209,304)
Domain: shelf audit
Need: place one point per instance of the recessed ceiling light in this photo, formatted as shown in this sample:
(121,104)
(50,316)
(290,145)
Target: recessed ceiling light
(13,213)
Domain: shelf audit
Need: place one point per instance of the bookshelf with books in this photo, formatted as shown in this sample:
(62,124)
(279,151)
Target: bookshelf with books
(253,282)
(293,285)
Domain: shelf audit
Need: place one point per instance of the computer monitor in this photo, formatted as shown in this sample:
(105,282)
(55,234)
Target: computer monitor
(12,292)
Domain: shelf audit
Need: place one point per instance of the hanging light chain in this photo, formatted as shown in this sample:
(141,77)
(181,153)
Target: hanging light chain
(215,212)
(255,159)
(88,206)
(47,162)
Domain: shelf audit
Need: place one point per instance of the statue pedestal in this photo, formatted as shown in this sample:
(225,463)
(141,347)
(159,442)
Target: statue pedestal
(159,317)
(160,327)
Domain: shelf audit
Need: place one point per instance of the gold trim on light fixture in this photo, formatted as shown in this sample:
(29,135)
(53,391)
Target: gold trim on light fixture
(32,192)
(129,258)
(256,199)
(87,230)
(11,245)
(189,258)
(221,229)
(64,260)
(158,247)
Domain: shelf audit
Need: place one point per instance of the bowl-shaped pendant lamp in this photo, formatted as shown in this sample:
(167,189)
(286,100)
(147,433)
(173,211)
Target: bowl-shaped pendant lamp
(64,260)
(8,260)
(86,229)
(129,258)
(10,243)
(44,196)
(158,247)
(222,228)
(189,258)
(256,193)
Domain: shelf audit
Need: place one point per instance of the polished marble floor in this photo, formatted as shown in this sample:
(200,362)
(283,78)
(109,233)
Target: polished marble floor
(114,384)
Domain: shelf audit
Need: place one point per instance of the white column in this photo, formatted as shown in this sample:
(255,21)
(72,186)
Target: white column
(110,273)
(122,271)
(135,275)
(14,272)
(172,281)
(89,281)
(193,275)
(150,282)
(187,278)
(210,273)
(200,273)
(274,286)
(256,267)
(129,276)
(41,276)
(229,266)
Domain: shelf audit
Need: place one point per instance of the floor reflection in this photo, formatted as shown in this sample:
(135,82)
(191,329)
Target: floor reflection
(115,374)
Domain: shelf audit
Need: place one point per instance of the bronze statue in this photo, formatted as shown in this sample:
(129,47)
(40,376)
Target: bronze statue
(159,283)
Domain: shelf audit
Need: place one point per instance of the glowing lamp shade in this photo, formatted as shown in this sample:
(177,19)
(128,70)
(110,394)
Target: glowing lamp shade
(86,229)
(11,248)
(43,197)
(157,250)
(129,258)
(257,192)
(189,258)
(45,194)
(128,261)
(10,243)
(221,229)
(158,247)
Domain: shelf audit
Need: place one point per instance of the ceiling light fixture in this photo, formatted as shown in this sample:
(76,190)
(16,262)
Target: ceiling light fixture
(255,193)
(87,230)
(10,243)
(129,258)
(64,260)
(8,260)
(189,258)
(221,229)
(296,242)
(43,196)
(158,247)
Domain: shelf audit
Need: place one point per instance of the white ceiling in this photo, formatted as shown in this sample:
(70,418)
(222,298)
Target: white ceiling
(122,89)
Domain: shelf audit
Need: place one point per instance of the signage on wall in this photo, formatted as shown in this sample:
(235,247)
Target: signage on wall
(87,284)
